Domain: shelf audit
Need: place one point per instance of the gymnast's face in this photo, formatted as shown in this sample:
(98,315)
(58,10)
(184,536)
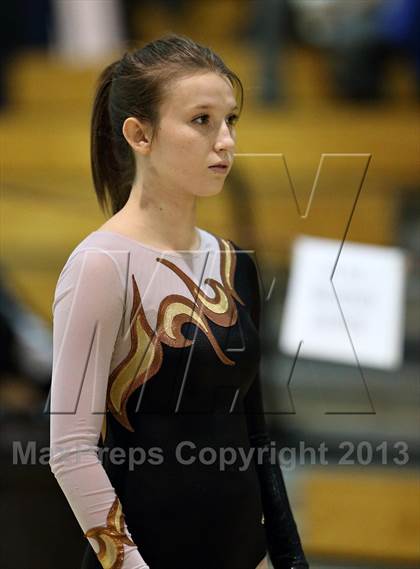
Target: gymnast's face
(190,139)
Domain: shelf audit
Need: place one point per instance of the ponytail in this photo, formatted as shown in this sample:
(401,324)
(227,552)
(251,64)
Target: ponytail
(111,161)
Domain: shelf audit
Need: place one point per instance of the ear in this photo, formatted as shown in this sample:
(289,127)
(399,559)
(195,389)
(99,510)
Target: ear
(137,135)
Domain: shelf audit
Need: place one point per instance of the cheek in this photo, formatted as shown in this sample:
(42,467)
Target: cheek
(183,153)
(187,152)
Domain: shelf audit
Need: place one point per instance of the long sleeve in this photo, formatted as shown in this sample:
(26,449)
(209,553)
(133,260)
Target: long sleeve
(283,541)
(87,313)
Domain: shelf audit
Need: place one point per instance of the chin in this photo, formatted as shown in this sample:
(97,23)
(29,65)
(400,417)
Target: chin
(207,191)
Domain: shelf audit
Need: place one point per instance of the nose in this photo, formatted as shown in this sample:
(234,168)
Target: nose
(225,140)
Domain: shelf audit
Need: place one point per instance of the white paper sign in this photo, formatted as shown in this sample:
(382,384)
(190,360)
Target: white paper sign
(354,314)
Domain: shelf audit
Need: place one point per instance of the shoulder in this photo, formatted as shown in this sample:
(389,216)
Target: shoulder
(225,243)
(92,262)
(246,258)
(248,280)
(96,251)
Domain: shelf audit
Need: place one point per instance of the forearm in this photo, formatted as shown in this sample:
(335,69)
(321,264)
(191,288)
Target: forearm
(96,506)
(283,541)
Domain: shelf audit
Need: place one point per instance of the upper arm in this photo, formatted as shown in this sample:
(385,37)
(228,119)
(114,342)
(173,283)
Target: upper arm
(253,399)
(87,312)
(250,267)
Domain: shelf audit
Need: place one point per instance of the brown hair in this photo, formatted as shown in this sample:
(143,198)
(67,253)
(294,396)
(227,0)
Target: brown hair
(135,86)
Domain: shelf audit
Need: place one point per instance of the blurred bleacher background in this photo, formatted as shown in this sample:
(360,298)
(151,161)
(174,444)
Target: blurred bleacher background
(321,77)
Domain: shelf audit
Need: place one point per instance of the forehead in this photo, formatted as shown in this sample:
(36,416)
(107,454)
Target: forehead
(206,89)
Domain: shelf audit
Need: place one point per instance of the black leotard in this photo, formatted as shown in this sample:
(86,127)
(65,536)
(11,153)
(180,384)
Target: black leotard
(167,343)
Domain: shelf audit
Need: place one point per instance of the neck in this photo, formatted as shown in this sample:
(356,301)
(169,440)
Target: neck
(165,218)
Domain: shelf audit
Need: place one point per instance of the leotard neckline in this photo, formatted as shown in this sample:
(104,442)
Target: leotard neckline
(163,252)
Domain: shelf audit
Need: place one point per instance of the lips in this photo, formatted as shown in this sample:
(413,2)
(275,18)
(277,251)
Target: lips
(219,169)
(221,163)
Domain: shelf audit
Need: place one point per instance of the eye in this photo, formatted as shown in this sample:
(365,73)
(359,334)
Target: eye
(202,117)
(233,119)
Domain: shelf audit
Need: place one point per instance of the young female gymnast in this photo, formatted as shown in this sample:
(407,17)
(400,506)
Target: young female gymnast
(158,437)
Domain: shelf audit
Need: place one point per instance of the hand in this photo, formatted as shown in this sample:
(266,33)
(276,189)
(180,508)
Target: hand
(263,564)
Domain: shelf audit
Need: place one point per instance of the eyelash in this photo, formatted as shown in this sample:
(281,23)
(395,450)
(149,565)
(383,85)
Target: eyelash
(233,116)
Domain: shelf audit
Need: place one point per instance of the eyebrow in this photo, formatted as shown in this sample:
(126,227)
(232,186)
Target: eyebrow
(206,106)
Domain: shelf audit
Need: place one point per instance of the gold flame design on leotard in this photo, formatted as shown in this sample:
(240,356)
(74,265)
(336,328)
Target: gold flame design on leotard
(111,538)
(144,358)
(103,428)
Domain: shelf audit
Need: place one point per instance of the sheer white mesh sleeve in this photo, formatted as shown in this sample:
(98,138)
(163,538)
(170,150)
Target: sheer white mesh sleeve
(87,312)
